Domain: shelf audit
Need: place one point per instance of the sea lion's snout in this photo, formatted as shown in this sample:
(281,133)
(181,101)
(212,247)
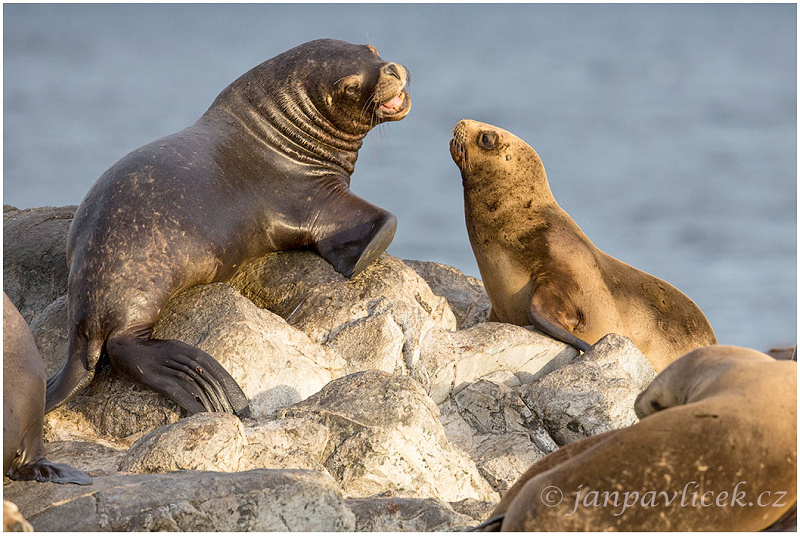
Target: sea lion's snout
(392,69)
(458,145)
(391,93)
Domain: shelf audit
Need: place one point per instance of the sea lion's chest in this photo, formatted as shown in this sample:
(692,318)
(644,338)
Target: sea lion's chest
(508,284)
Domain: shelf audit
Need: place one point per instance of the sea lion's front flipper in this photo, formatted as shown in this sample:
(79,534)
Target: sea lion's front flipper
(183,373)
(548,314)
(350,233)
(43,470)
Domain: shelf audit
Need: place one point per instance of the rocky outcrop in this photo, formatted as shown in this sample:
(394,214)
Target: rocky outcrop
(406,514)
(385,402)
(34,256)
(465,294)
(386,435)
(593,394)
(258,500)
(379,317)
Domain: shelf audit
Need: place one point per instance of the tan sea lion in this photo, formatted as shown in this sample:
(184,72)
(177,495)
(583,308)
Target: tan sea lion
(715,450)
(539,268)
(23,407)
(266,168)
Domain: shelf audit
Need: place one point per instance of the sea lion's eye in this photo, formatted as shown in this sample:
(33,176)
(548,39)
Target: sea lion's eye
(487,140)
(349,86)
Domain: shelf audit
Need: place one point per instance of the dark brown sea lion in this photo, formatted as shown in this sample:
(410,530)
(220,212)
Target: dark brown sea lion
(715,450)
(266,168)
(539,268)
(23,407)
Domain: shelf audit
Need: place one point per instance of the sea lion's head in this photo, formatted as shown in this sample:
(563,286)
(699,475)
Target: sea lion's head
(699,374)
(348,85)
(495,162)
(356,89)
(356,84)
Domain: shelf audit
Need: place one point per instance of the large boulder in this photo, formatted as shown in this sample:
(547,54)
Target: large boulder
(49,330)
(286,443)
(406,514)
(34,256)
(275,364)
(388,305)
(386,435)
(451,360)
(489,420)
(465,294)
(593,394)
(202,442)
(259,500)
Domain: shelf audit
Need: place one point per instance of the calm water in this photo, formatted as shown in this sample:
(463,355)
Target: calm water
(668,131)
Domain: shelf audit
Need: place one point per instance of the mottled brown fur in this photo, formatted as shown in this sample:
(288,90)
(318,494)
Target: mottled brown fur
(539,267)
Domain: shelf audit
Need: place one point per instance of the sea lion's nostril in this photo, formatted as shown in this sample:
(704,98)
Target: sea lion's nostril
(391,70)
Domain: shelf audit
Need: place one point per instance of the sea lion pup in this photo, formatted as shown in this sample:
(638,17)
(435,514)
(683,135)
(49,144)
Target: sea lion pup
(266,168)
(715,449)
(23,407)
(539,268)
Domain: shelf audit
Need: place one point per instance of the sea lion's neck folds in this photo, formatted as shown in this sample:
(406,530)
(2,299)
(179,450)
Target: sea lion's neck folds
(292,125)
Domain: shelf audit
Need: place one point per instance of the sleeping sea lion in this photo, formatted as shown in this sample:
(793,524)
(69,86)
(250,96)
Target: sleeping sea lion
(715,450)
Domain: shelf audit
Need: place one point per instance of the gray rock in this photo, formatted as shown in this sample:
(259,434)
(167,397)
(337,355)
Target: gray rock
(286,444)
(477,510)
(449,361)
(202,442)
(407,514)
(49,330)
(593,394)
(275,364)
(385,435)
(491,423)
(93,457)
(115,407)
(373,342)
(34,257)
(258,500)
(465,294)
(310,295)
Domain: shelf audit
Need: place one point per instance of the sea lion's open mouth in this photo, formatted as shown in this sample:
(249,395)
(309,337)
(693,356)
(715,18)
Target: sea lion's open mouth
(395,108)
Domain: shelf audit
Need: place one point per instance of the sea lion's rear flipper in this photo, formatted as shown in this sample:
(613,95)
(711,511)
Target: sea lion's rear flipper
(42,470)
(183,373)
(76,374)
(350,233)
(548,314)
(490,525)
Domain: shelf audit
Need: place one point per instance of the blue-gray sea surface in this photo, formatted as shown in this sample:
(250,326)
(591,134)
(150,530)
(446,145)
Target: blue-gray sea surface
(669,132)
